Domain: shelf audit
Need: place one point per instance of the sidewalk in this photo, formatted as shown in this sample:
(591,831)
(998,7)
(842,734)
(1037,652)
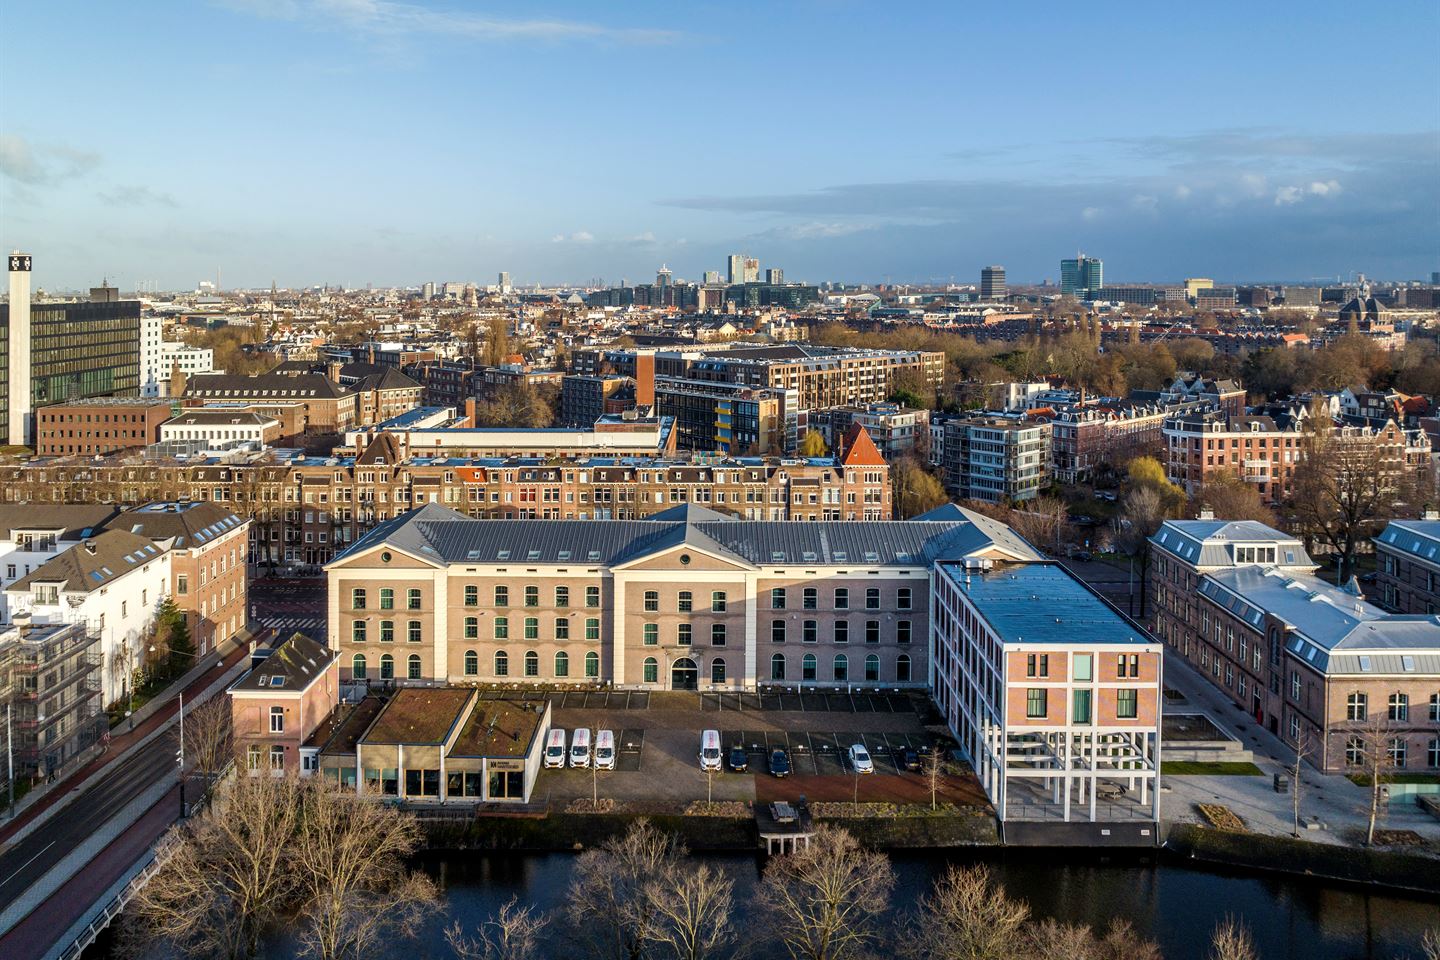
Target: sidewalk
(122,744)
(1339,805)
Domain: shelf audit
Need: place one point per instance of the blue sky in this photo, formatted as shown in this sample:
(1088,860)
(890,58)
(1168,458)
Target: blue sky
(355,141)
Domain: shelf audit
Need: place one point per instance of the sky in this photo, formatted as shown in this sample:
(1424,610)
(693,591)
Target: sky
(387,142)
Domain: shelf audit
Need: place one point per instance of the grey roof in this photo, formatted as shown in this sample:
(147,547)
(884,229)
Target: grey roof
(1330,628)
(1418,538)
(191,524)
(204,416)
(297,663)
(446,536)
(1043,603)
(1207,543)
(265,386)
(93,563)
(75,521)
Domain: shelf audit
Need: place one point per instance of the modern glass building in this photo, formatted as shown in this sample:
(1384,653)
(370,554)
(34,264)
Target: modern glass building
(75,351)
(1081,276)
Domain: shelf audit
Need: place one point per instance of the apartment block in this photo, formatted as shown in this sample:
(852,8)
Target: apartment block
(1309,661)
(1085,439)
(1052,693)
(897,431)
(99,426)
(1407,568)
(50,686)
(996,458)
(33,534)
(688,599)
(280,703)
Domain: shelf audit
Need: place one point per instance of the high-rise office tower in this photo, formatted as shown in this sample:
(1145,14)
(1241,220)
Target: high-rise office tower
(774,276)
(752,270)
(712,276)
(505,285)
(61,351)
(735,268)
(662,276)
(427,291)
(1082,276)
(992,283)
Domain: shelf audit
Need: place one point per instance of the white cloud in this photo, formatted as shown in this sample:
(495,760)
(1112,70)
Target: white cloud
(579,236)
(1286,196)
(39,165)
(386,18)
(1091,213)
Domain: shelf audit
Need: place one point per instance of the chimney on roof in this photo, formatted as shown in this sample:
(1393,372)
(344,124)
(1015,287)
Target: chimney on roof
(1429,513)
(1205,514)
(90,545)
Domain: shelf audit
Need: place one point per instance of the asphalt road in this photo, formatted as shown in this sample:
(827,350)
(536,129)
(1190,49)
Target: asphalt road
(27,861)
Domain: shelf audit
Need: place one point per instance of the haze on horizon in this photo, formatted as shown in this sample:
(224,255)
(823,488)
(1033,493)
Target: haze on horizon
(355,141)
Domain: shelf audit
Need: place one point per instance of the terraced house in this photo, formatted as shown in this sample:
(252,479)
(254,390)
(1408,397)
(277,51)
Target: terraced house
(688,598)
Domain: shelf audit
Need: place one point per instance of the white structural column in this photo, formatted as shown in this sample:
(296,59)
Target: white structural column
(19,349)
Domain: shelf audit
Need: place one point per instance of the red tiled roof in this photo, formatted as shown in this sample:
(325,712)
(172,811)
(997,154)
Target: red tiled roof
(860,450)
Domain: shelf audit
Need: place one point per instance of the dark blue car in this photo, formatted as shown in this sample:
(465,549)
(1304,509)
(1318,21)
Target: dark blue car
(779,763)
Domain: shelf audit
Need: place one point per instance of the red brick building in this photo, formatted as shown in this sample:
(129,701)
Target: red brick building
(99,426)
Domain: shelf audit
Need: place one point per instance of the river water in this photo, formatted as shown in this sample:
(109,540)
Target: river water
(1177,904)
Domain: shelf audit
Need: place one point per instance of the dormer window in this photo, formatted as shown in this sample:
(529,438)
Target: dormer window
(46,594)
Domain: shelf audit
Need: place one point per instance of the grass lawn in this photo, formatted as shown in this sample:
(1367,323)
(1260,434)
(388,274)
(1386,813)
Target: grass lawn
(1194,768)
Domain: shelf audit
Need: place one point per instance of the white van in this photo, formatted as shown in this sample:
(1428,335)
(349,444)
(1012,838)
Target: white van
(710,750)
(580,747)
(605,750)
(555,749)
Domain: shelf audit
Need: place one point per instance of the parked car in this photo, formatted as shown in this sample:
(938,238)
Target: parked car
(860,759)
(909,759)
(779,763)
(1109,496)
(1084,556)
(739,759)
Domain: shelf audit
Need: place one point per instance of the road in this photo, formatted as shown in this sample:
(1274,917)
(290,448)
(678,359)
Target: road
(290,605)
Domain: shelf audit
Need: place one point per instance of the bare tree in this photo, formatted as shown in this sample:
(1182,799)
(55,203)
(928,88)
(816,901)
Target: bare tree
(1372,741)
(1041,522)
(351,856)
(691,906)
(515,933)
(936,768)
(1050,938)
(826,899)
(228,879)
(208,735)
(1231,941)
(1121,942)
(967,917)
(606,902)
(1430,944)
(1297,769)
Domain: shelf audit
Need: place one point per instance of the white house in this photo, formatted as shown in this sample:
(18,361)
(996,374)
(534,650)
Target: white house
(113,582)
(222,428)
(32,534)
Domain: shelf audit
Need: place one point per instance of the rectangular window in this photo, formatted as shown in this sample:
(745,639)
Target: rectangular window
(717,634)
(810,632)
(777,631)
(1127,704)
(387,598)
(562,596)
(902,631)
(651,634)
(182,582)
(842,598)
(502,596)
(592,628)
(1399,707)
(387,631)
(592,596)
(717,601)
(277,719)
(682,634)
(1082,666)
(872,598)
(357,598)
(1081,706)
(1356,706)
(562,628)
(652,601)
(902,598)
(777,598)
(810,600)
(357,631)
(686,602)
(1035,702)
(872,631)
(412,600)
(412,630)
(532,596)
(502,628)
(472,596)
(532,628)
(842,631)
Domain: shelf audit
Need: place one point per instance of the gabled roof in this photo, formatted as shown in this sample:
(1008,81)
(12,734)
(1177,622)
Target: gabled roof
(191,524)
(294,666)
(860,450)
(1206,543)
(93,563)
(75,521)
(383,449)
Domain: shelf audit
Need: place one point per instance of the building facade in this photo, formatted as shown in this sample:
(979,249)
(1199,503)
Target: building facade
(1314,664)
(278,705)
(1407,567)
(996,458)
(992,283)
(50,685)
(99,426)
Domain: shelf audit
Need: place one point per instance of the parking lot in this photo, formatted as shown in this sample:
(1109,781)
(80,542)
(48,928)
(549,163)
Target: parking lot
(658,737)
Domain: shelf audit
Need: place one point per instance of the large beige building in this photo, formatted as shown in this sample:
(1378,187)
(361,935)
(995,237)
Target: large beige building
(688,598)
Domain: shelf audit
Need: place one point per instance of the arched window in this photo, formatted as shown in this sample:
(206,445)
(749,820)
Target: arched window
(472,663)
(902,668)
(562,664)
(807,667)
(872,669)
(717,670)
(592,664)
(357,666)
(842,667)
(502,663)
(777,667)
(532,663)
(387,667)
(650,671)
(413,667)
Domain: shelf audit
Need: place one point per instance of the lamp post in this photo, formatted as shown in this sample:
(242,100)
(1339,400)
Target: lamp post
(180,754)
(9,762)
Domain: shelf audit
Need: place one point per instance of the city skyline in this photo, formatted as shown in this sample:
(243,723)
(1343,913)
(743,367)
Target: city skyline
(394,143)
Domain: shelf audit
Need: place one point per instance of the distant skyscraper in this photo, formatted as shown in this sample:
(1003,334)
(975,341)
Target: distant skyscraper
(992,283)
(427,291)
(752,270)
(1080,276)
(712,276)
(1435,277)
(662,276)
(735,268)
(775,276)
(505,285)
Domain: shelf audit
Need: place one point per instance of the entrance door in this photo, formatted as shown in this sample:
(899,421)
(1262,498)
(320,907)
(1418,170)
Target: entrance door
(684,675)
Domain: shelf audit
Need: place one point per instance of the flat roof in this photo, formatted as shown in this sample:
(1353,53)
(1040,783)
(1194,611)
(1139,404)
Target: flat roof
(1043,603)
(419,716)
(500,728)
(339,732)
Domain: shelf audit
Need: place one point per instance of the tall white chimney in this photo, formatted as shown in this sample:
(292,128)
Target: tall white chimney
(19,372)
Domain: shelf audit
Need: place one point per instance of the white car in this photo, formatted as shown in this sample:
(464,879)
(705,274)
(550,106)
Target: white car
(860,759)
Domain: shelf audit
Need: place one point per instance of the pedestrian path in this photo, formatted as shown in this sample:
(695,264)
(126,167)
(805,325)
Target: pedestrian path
(284,626)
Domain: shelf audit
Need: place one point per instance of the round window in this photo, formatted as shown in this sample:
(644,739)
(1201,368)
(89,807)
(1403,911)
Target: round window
(385,557)
(684,558)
